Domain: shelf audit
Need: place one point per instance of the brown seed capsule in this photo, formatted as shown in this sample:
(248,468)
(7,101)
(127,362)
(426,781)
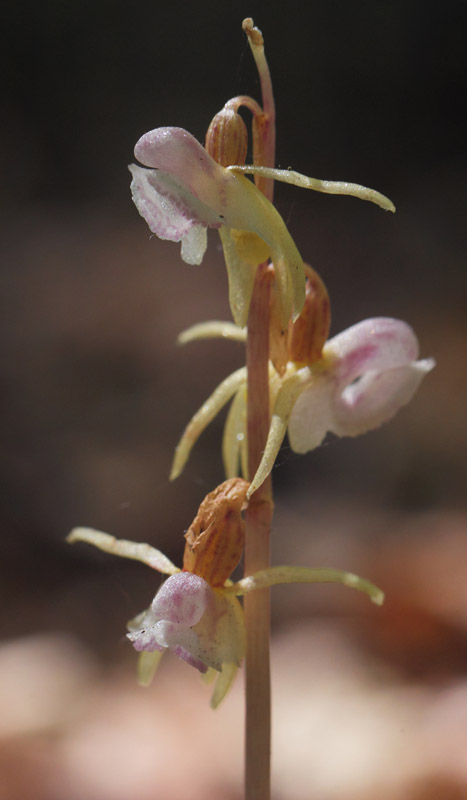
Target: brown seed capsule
(215,539)
(227,138)
(308,334)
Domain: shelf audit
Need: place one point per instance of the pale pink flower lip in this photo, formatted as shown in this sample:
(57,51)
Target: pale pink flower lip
(179,196)
(196,623)
(372,373)
(177,607)
(177,152)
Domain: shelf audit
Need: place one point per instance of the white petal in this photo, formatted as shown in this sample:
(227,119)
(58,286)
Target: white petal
(194,245)
(146,640)
(367,374)
(311,417)
(376,397)
(172,212)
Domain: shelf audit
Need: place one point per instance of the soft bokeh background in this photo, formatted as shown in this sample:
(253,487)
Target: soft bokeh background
(368,702)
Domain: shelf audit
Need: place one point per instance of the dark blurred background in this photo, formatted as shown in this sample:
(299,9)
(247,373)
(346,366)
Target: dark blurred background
(95,391)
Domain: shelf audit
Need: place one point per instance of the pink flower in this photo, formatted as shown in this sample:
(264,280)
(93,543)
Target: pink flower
(367,373)
(185,192)
(203,624)
(192,620)
(364,376)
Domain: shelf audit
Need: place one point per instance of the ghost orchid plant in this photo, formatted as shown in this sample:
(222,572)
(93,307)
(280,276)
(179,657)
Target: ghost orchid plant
(346,385)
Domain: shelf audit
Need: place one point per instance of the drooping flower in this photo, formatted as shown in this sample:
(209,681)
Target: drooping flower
(196,613)
(185,191)
(363,376)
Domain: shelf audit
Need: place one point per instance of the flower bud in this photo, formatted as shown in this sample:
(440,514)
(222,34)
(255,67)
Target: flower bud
(215,539)
(308,334)
(227,138)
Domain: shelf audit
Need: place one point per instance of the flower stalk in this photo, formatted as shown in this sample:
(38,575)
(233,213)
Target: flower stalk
(260,507)
(257,550)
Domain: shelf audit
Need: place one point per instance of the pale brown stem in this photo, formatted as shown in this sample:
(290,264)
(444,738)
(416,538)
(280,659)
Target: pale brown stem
(264,128)
(258,524)
(260,506)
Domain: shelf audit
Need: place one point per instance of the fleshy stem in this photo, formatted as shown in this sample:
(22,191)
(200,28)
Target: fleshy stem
(260,507)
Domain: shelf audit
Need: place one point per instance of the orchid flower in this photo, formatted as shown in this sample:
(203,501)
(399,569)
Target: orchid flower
(365,375)
(188,189)
(196,613)
(359,380)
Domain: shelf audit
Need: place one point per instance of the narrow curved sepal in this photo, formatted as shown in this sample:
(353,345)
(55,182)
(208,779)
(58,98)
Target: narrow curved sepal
(148,664)
(203,417)
(214,329)
(223,683)
(285,574)
(138,551)
(235,437)
(283,407)
(317,185)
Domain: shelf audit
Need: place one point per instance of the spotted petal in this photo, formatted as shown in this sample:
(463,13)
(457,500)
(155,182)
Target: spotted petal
(168,623)
(201,625)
